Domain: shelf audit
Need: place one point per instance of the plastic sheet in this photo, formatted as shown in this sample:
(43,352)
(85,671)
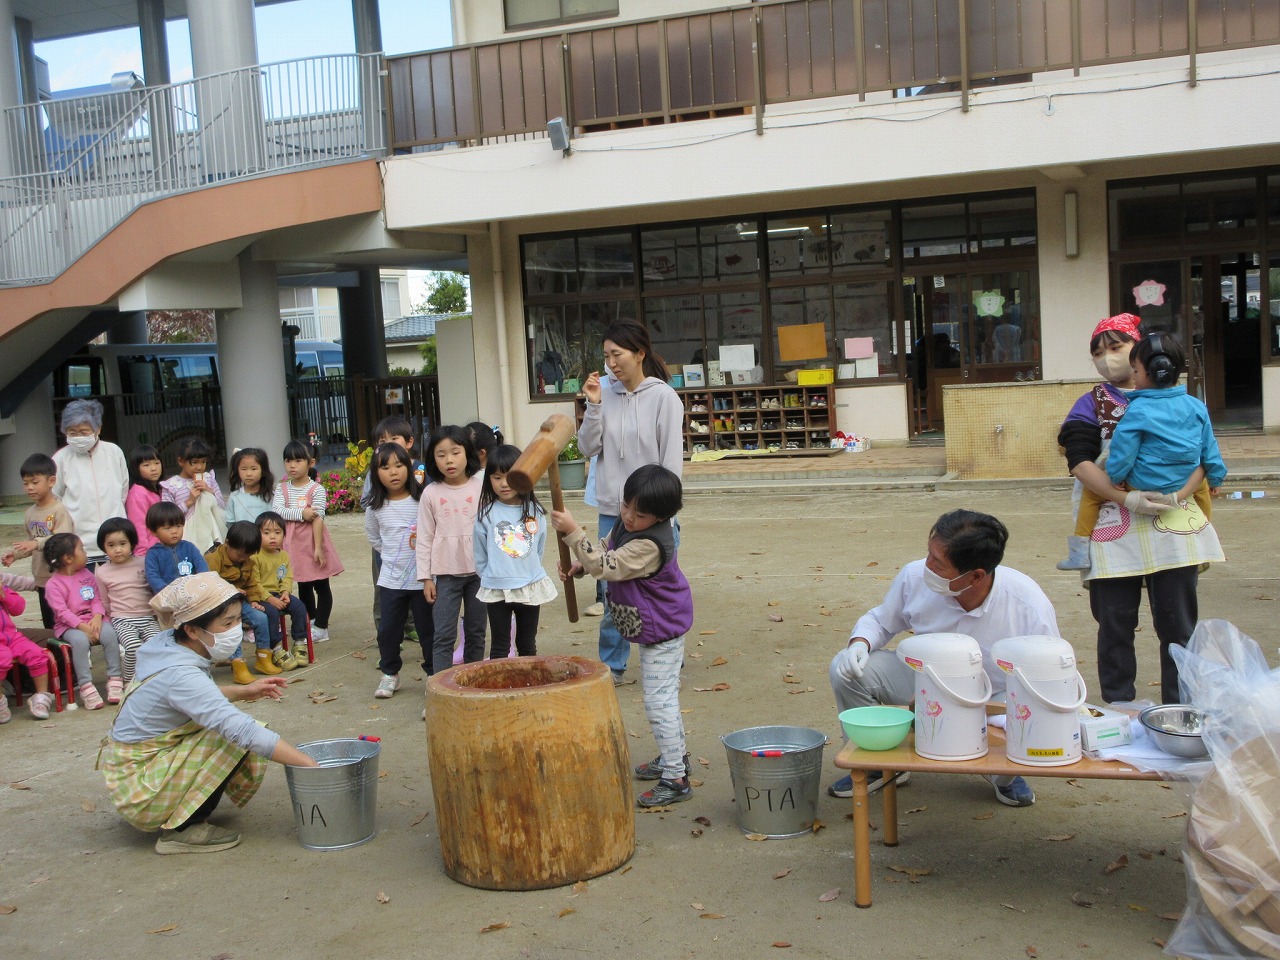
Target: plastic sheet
(1232,850)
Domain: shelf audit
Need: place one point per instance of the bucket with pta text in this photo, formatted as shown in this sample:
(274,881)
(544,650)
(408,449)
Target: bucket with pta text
(776,772)
(334,804)
(951,694)
(1045,692)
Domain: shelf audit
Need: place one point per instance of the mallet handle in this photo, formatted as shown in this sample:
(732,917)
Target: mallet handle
(557,503)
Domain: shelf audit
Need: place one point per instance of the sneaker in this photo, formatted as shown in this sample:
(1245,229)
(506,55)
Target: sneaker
(284,659)
(319,634)
(115,688)
(90,697)
(666,792)
(5,713)
(622,680)
(202,838)
(595,610)
(875,781)
(652,769)
(1016,794)
(387,686)
(40,704)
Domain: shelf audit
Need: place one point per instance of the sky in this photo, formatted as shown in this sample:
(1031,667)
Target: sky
(286,31)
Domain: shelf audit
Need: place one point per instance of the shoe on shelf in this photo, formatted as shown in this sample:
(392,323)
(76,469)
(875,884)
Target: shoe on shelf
(319,634)
(90,698)
(1016,794)
(40,704)
(595,610)
(875,781)
(115,689)
(387,686)
(652,769)
(202,838)
(284,659)
(666,792)
(5,713)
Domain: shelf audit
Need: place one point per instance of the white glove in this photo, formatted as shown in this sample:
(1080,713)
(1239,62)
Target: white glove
(852,660)
(1139,501)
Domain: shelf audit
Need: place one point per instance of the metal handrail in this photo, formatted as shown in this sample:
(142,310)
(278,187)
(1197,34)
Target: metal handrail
(695,65)
(84,164)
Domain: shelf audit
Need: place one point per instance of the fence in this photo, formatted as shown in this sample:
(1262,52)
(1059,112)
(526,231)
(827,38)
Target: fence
(743,59)
(82,165)
(417,399)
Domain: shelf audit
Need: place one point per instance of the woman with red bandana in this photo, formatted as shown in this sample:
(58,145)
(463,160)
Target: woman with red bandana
(1131,545)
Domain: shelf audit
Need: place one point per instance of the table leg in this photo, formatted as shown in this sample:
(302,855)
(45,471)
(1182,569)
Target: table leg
(861,839)
(890,809)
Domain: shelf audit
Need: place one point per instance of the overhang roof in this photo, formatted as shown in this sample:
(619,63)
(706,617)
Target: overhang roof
(53,19)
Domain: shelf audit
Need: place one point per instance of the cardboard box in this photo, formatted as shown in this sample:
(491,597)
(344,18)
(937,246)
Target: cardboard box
(1101,728)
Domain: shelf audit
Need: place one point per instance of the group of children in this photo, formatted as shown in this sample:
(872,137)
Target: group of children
(272,536)
(465,545)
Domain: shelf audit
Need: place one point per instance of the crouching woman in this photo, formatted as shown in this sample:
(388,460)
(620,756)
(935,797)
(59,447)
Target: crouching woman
(178,744)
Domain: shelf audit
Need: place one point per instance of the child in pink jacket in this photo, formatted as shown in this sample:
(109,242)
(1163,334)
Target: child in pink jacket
(79,618)
(17,648)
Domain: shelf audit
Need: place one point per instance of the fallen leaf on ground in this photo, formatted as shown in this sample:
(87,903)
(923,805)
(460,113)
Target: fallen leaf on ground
(662,809)
(1032,952)
(580,887)
(782,873)
(775,618)
(626,869)
(774,603)
(359,655)
(1158,941)
(984,816)
(39,880)
(404,803)
(6,909)
(704,761)
(707,633)
(789,677)
(321,698)
(705,821)
(565,912)
(1169,916)
(808,624)
(165,929)
(912,874)
(383,774)
(874,563)
(419,818)
(696,831)
(1059,837)
(697,906)
(756,836)
(781,944)
(496,926)
(711,916)
(917,810)
(824,612)
(719,687)
(1137,907)
(695,656)
(818,825)
(719,662)
(19,786)
(88,806)
(695,782)
(1174,816)
(1115,865)
(1010,906)
(1075,783)
(383,898)
(829,895)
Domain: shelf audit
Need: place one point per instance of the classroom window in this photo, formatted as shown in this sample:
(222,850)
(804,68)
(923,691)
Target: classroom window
(522,14)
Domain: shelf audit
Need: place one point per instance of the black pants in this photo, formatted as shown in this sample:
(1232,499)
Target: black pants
(500,615)
(317,597)
(396,605)
(46,611)
(205,810)
(1171,596)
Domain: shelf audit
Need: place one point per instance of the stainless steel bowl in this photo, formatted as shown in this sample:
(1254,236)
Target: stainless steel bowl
(1176,728)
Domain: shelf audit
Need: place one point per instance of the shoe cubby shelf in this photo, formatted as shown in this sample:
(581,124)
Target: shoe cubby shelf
(794,419)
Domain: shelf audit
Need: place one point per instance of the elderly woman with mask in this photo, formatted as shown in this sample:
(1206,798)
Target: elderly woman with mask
(178,744)
(93,476)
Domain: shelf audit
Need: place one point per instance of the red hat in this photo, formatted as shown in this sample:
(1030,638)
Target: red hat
(1125,323)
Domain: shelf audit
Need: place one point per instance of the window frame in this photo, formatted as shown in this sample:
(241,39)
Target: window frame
(564,18)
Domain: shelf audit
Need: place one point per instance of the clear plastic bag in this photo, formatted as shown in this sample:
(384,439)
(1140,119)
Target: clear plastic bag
(1232,849)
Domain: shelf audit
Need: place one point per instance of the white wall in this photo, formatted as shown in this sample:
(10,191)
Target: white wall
(1271,399)
(456,353)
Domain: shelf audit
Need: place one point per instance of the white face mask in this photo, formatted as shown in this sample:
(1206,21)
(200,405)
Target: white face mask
(82,444)
(938,584)
(225,643)
(1113,367)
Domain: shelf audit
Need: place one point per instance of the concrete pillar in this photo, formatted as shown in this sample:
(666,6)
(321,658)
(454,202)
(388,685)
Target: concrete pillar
(155,43)
(368,26)
(255,405)
(368,29)
(32,431)
(364,345)
(9,91)
(229,104)
(130,328)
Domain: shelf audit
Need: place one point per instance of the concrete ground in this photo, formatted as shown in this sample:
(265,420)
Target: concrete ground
(984,881)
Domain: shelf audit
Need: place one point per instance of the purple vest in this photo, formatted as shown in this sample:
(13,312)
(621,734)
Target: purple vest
(658,607)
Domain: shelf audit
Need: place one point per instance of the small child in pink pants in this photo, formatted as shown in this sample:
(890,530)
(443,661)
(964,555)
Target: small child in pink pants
(15,647)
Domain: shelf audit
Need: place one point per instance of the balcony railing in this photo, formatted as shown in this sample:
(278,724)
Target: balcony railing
(83,165)
(743,59)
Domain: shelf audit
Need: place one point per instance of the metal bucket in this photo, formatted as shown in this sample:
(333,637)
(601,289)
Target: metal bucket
(334,805)
(776,772)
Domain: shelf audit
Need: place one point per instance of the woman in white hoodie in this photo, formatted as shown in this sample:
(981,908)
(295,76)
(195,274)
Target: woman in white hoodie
(634,420)
(93,475)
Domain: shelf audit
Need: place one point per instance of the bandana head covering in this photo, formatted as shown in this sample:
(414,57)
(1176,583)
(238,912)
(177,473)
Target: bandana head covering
(188,598)
(1125,323)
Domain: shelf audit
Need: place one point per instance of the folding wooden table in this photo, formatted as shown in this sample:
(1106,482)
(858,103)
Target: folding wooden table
(903,758)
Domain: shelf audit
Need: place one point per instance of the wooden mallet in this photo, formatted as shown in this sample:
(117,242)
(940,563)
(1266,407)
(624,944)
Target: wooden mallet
(539,457)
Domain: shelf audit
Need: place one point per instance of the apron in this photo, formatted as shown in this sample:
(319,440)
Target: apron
(159,783)
(300,543)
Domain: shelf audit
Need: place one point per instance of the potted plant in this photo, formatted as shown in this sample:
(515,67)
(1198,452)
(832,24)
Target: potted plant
(573,466)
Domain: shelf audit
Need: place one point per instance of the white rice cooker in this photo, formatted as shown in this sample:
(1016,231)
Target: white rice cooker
(1045,692)
(951,694)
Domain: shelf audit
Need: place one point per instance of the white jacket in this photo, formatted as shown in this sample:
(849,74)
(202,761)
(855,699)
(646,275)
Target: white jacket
(92,486)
